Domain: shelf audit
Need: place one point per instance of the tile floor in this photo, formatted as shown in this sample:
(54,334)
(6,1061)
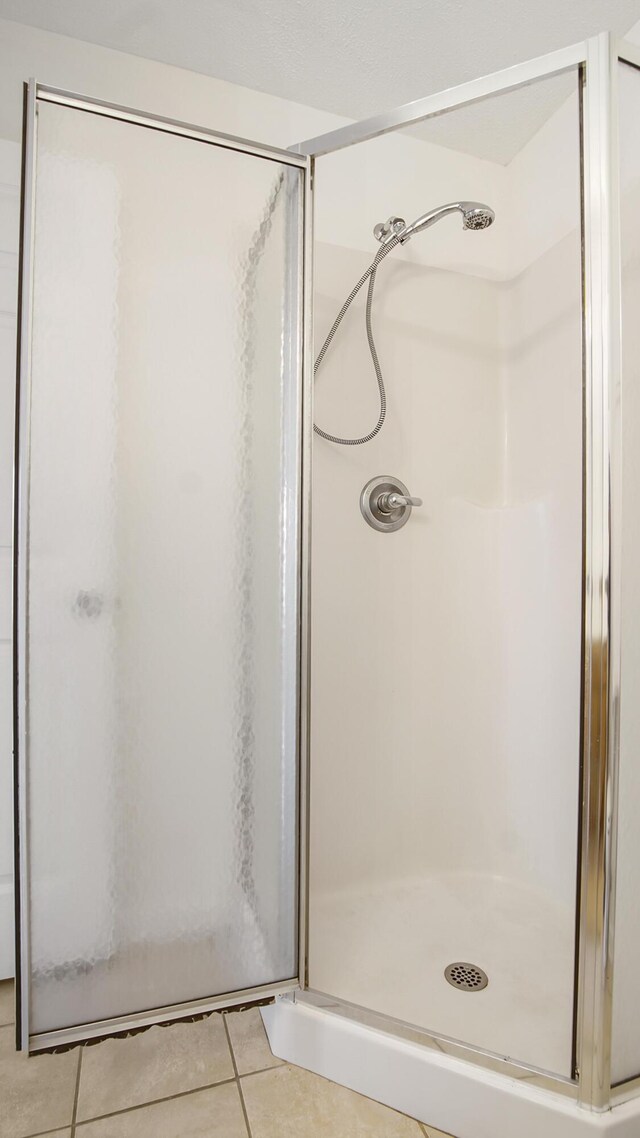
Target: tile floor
(215,1078)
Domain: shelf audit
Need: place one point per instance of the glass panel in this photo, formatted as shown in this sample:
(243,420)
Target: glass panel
(626,979)
(446,676)
(161,599)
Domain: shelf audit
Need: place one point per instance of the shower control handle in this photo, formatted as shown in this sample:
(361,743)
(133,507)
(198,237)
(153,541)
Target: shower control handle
(388,502)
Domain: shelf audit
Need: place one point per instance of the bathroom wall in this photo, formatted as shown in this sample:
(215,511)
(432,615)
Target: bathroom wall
(479,424)
(384,606)
(541,590)
(477,419)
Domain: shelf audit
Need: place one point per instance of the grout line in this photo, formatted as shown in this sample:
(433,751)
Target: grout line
(77,1092)
(11,1022)
(151,1102)
(261,1070)
(230,1045)
(244,1109)
(237,1077)
(42,1133)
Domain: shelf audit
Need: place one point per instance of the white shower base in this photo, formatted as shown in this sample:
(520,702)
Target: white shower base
(456,1097)
(386,949)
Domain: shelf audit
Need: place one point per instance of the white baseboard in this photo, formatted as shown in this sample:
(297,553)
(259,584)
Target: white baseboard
(449,1094)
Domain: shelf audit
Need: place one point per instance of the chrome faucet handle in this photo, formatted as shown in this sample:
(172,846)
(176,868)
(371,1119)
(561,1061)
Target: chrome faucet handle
(386,504)
(397,500)
(392,501)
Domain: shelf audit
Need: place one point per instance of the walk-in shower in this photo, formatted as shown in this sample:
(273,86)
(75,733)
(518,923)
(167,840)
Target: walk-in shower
(462,754)
(384,773)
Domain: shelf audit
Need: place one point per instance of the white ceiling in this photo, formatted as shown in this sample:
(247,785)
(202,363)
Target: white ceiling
(353,57)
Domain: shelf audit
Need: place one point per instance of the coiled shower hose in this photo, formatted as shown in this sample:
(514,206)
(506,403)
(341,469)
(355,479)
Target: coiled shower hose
(370,275)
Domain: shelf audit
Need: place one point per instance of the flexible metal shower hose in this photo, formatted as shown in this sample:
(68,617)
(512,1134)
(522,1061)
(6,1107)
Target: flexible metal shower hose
(370,275)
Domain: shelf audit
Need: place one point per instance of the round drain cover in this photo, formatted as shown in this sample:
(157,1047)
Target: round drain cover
(467,977)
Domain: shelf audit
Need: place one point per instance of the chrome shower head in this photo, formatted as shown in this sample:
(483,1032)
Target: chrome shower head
(475,215)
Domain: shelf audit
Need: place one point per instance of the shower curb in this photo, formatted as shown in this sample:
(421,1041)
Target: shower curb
(456,1097)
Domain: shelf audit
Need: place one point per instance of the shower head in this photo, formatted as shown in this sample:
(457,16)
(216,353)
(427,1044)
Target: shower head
(475,215)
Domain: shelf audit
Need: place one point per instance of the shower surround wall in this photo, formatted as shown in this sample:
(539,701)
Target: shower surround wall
(446,657)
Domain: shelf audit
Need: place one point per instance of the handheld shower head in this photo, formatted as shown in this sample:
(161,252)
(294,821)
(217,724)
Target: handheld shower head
(391,233)
(475,215)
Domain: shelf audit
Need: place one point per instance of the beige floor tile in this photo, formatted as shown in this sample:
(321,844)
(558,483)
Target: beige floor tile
(7,1007)
(431,1132)
(214,1113)
(36,1093)
(119,1073)
(249,1042)
(288,1102)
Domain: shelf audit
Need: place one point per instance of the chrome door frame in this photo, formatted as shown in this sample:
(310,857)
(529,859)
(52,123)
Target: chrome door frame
(601,616)
(453,97)
(300,244)
(620,52)
(594,60)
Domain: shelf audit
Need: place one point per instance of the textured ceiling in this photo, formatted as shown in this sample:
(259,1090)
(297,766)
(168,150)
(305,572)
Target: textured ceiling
(353,57)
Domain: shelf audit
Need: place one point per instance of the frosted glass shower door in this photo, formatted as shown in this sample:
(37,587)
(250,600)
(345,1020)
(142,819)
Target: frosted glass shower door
(157,567)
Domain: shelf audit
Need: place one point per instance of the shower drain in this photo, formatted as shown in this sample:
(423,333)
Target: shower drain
(466,977)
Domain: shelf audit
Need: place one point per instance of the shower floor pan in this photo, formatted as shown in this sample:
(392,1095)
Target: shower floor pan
(386,949)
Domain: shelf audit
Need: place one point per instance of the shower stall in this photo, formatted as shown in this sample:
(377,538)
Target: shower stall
(341,719)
